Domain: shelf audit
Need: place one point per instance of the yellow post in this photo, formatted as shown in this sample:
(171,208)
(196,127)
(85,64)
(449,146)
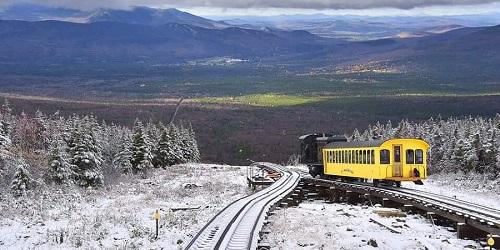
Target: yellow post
(156,216)
(490,241)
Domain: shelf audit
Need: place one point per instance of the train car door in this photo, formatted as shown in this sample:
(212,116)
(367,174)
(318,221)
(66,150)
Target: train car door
(397,167)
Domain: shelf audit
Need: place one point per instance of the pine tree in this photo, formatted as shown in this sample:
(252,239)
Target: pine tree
(470,157)
(22,181)
(123,159)
(437,152)
(141,153)
(60,170)
(86,155)
(163,150)
(193,145)
(356,136)
(402,130)
(5,140)
(41,133)
(5,125)
(490,160)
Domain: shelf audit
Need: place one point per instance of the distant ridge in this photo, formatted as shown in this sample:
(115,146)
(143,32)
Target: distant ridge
(61,42)
(155,17)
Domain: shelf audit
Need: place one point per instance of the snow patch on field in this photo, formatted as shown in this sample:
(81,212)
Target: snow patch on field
(318,225)
(120,216)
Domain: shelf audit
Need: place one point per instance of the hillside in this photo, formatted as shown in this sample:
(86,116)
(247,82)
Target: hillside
(466,53)
(56,42)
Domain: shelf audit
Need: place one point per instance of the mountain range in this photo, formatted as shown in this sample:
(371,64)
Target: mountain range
(149,36)
(60,42)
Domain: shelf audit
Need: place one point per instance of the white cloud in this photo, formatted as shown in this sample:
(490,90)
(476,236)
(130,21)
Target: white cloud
(252,4)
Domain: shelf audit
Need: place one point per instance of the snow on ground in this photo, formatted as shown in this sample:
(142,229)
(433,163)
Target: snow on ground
(120,216)
(472,188)
(318,225)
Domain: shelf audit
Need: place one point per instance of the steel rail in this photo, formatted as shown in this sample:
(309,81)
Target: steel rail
(441,196)
(477,208)
(234,226)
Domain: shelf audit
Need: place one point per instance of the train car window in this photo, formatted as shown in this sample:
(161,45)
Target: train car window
(385,156)
(410,156)
(368,157)
(372,153)
(397,153)
(419,156)
(363,157)
(350,156)
(342,156)
(333,156)
(356,152)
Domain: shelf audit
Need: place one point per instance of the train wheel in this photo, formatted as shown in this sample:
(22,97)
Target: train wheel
(375,183)
(398,184)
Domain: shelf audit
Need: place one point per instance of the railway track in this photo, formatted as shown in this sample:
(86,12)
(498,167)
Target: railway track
(492,213)
(237,225)
(480,217)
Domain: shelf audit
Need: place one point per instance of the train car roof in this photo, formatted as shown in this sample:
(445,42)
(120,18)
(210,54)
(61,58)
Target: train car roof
(364,144)
(356,144)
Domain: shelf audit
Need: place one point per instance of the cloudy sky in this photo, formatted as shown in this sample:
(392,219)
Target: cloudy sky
(272,7)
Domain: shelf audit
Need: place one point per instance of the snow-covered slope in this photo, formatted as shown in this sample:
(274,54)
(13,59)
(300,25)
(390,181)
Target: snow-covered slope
(120,216)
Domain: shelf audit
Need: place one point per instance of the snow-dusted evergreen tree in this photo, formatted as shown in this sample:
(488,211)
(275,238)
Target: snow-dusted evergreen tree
(42,134)
(60,170)
(356,136)
(123,160)
(470,157)
(22,181)
(437,152)
(403,130)
(141,152)
(194,152)
(490,157)
(5,125)
(153,132)
(5,140)
(164,150)
(85,153)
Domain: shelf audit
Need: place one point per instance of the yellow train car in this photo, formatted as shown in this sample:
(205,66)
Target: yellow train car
(392,161)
